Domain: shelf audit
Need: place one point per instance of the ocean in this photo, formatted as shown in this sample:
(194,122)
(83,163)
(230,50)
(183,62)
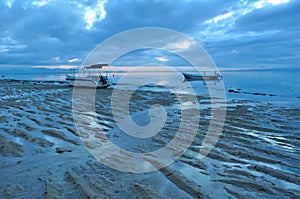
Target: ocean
(278,86)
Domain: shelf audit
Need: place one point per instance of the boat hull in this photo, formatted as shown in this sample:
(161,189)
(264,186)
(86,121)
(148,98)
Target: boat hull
(200,77)
(85,82)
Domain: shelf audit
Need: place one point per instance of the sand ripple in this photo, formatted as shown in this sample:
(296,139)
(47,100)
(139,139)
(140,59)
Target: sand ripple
(257,155)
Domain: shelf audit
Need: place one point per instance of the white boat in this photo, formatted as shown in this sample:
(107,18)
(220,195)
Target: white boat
(207,75)
(90,76)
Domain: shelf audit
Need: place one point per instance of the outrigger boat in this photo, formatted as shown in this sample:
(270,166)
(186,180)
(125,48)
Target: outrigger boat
(207,75)
(91,76)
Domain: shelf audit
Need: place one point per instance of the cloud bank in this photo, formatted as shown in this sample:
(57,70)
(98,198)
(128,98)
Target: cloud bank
(260,33)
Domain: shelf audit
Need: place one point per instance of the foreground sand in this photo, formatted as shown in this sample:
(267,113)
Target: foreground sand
(41,155)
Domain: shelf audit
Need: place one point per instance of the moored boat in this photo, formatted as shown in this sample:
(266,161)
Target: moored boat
(213,75)
(90,76)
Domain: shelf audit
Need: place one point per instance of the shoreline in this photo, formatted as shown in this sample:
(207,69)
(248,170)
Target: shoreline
(232,94)
(33,81)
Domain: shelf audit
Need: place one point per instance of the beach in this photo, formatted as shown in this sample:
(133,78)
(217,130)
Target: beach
(42,156)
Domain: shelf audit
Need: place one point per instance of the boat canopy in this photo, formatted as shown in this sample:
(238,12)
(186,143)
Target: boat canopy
(95,66)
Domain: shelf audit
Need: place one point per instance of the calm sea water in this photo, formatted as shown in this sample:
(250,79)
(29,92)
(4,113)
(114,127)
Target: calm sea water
(283,85)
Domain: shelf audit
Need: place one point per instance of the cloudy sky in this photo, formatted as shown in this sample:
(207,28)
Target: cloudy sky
(237,33)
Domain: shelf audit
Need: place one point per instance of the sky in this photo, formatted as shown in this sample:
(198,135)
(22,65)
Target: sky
(235,33)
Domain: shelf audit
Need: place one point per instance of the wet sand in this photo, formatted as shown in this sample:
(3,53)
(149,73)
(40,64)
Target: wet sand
(42,156)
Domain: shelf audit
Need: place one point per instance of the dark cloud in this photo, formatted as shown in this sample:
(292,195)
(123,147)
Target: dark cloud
(263,37)
(284,17)
(44,32)
(178,15)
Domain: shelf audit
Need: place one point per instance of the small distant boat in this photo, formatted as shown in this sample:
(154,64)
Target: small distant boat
(207,75)
(91,76)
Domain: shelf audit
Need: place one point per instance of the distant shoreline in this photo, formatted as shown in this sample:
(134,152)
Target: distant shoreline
(33,81)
